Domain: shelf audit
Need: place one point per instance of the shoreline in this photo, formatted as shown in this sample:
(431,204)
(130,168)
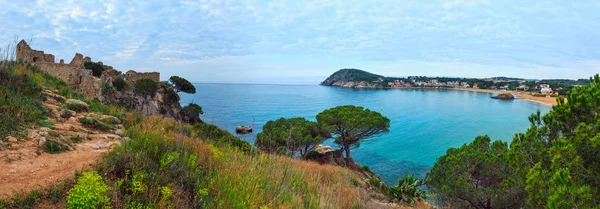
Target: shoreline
(551,101)
(521,95)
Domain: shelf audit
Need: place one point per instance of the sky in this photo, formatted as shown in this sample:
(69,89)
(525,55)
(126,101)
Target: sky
(303,42)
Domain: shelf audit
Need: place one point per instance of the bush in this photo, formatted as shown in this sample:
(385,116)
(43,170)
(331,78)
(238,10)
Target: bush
(119,83)
(170,96)
(96,68)
(89,192)
(220,136)
(146,87)
(54,147)
(408,190)
(192,112)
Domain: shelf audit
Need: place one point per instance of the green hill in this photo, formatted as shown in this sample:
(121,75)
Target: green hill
(351,75)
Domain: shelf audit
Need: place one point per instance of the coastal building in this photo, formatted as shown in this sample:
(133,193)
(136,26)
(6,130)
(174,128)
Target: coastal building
(523,88)
(546,90)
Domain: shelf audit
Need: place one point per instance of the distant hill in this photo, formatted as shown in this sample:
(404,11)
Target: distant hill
(352,78)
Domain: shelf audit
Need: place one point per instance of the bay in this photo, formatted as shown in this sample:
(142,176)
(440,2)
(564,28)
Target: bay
(424,123)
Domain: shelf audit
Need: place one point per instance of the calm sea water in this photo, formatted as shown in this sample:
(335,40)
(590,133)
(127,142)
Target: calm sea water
(424,123)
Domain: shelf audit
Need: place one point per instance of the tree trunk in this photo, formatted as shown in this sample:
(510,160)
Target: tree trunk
(347,149)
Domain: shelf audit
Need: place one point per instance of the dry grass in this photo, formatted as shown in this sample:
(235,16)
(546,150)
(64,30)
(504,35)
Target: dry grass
(238,180)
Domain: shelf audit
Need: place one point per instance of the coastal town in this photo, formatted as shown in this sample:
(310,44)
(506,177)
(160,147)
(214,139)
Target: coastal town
(541,87)
(539,90)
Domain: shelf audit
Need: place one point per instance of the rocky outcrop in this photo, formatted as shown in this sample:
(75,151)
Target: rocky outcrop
(504,96)
(157,104)
(327,155)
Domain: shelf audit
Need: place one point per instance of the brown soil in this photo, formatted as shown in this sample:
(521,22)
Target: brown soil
(25,166)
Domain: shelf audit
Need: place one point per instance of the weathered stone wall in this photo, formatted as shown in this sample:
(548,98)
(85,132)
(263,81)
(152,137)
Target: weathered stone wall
(65,72)
(27,54)
(133,76)
(90,86)
(83,81)
(111,75)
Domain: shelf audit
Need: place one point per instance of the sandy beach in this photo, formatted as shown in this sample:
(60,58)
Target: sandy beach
(521,95)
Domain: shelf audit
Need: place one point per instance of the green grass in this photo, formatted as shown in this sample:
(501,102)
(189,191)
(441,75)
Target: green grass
(161,157)
(20,98)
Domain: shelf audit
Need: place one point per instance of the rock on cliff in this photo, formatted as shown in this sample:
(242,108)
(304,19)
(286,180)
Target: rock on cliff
(157,104)
(354,78)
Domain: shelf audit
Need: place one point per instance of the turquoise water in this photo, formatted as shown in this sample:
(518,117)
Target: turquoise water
(424,123)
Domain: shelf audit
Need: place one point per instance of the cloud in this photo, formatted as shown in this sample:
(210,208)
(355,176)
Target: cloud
(208,40)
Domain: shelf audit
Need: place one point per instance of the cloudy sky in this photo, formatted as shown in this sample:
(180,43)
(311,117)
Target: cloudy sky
(302,42)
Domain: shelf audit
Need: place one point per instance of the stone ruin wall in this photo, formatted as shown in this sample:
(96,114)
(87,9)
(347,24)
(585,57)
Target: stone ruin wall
(74,73)
(133,76)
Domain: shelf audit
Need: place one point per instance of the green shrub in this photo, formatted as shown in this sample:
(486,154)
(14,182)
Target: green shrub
(89,192)
(171,96)
(96,68)
(192,113)
(220,136)
(54,147)
(146,87)
(408,189)
(119,83)
(375,182)
(141,168)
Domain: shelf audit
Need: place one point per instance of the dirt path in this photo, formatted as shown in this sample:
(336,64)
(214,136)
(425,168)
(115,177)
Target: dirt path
(24,165)
(46,169)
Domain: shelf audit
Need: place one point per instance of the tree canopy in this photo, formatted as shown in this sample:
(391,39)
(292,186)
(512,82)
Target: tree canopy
(476,175)
(96,68)
(192,113)
(350,124)
(182,85)
(146,87)
(292,136)
(554,164)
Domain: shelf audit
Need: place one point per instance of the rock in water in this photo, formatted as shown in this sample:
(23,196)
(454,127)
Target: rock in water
(243,129)
(504,96)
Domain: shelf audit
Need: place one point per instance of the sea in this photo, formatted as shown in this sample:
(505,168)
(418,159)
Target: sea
(424,122)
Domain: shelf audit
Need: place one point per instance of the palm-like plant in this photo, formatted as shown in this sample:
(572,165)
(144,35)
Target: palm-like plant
(408,189)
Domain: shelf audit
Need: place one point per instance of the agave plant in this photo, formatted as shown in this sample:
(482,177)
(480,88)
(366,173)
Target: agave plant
(408,189)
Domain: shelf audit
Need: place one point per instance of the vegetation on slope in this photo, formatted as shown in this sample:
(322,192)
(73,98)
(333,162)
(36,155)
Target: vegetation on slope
(552,165)
(171,164)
